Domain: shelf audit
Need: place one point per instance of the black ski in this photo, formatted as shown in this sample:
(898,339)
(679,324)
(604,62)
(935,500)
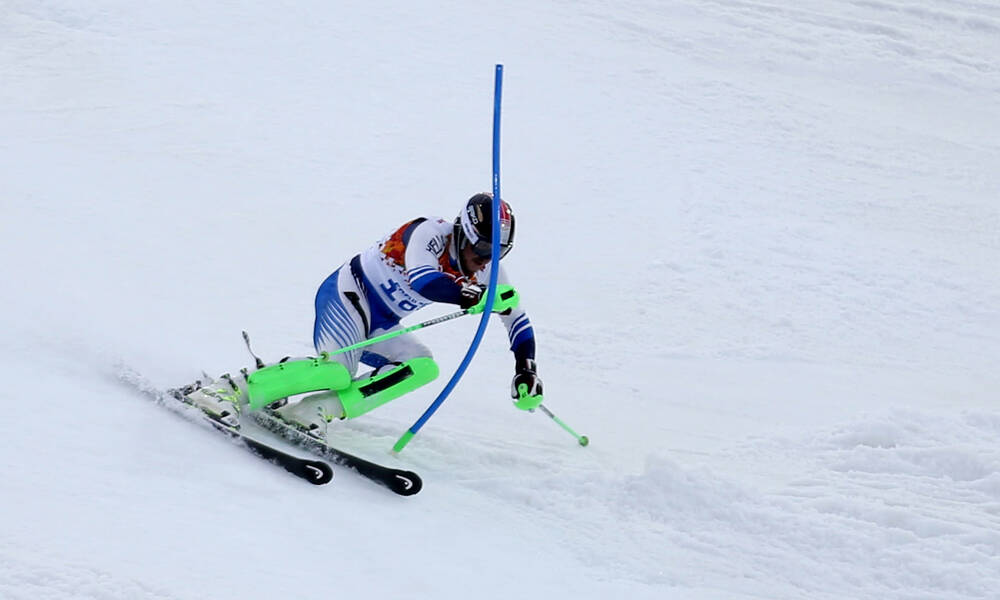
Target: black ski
(404,483)
(314,471)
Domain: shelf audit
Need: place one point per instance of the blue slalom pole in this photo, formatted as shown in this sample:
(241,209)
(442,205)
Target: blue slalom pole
(494,270)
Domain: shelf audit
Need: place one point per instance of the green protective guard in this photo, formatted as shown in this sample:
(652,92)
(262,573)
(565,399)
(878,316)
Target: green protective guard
(507,298)
(295,377)
(526,402)
(368,394)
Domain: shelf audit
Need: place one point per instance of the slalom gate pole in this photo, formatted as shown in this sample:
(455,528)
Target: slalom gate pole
(494,270)
(582,439)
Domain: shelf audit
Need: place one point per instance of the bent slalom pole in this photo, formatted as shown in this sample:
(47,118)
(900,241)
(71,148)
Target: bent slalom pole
(494,269)
(582,439)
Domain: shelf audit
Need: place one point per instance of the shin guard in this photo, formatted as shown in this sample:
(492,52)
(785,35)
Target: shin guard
(295,377)
(367,394)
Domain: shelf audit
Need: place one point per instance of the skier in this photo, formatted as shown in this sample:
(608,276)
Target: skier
(426,260)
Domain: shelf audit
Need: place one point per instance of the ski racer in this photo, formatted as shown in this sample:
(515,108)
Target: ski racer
(426,260)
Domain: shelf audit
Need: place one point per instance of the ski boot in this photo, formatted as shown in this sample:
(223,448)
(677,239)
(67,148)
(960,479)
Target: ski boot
(311,415)
(219,399)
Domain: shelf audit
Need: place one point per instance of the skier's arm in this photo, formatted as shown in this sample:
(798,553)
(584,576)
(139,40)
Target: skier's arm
(438,287)
(519,330)
(526,387)
(424,248)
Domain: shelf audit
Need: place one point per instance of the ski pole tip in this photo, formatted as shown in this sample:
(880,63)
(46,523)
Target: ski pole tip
(584,440)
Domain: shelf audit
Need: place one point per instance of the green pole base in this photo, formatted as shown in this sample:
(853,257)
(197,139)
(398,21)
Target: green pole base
(403,441)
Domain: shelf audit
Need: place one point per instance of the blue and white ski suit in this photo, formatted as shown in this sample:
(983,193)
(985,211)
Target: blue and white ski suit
(413,266)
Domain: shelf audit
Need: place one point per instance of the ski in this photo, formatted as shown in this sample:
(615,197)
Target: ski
(404,483)
(314,471)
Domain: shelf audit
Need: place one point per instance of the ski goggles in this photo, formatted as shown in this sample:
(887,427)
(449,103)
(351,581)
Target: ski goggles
(483,248)
(482,245)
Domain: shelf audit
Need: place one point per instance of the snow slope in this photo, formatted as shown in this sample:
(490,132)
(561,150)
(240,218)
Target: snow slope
(758,241)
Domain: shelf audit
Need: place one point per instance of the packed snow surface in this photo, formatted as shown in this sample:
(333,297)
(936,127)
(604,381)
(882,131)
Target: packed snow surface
(759,242)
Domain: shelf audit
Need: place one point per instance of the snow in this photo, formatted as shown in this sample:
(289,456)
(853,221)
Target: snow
(758,242)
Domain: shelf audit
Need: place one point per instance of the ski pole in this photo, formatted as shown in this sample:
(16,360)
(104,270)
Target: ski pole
(584,440)
(392,334)
(374,340)
(507,293)
(257,360)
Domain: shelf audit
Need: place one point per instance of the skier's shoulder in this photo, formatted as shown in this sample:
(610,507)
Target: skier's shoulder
(428,233)
(423,225)
(435,224)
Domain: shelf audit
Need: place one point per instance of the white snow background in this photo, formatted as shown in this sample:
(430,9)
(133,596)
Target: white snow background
(759,242)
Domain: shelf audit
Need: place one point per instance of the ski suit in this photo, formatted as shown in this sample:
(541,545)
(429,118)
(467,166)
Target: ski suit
(413,266)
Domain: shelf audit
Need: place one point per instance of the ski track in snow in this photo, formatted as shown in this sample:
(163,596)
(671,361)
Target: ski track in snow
(787,371)
(916,497)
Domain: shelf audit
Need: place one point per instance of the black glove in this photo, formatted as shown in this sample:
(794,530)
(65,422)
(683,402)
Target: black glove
(526,388)
(470,295)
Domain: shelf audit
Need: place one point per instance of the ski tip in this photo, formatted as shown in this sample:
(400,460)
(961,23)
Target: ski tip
(406,483)
(317,472)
